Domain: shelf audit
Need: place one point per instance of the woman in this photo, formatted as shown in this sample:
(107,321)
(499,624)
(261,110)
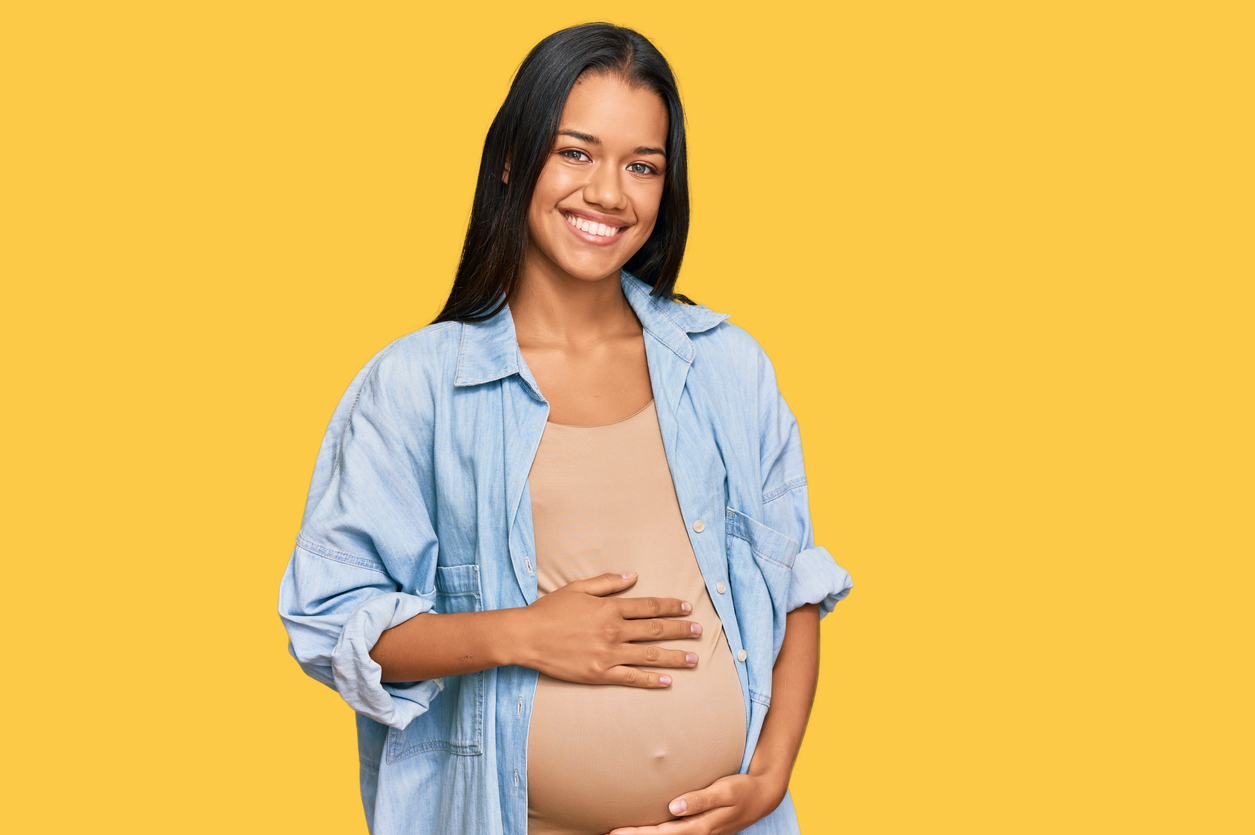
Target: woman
(557,552)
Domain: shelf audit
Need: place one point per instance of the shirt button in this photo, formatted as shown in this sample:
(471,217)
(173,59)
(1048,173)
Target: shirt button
(741,655)
(721,587)
(699,526)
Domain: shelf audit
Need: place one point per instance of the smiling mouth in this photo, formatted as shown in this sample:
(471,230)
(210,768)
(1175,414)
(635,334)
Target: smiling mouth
(601,230)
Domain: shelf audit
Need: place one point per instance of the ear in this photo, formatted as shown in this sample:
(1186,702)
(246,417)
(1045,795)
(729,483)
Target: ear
(505,175)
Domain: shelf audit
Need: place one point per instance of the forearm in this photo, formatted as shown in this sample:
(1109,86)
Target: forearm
(573,633)
(793,682)
(433,646)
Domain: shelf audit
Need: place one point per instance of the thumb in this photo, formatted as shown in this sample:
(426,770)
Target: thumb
(604,584)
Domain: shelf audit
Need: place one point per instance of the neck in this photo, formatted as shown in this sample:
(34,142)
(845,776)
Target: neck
(552,308)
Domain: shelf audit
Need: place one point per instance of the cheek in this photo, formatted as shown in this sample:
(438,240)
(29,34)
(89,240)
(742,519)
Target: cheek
(543,202)
(556,182)
(551,189)
(647,207)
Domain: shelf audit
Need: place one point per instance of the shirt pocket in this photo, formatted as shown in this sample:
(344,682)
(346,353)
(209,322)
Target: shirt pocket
(455,720)
(760,561)
(772,552)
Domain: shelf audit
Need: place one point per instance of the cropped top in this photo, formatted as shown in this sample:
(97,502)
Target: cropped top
(604,756)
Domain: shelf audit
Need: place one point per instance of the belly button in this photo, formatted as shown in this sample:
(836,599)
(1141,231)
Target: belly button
(660,755)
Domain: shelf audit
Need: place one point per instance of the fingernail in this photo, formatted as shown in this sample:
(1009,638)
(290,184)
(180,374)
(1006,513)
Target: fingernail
(664,679)
(691,658)
(678,807)
(696,629)
(686,607)
(629,575)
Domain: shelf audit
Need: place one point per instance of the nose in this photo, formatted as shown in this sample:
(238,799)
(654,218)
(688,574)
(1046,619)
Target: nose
(604,188)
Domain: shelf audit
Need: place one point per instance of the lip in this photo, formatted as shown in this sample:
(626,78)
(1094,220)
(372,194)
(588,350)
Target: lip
(593,217)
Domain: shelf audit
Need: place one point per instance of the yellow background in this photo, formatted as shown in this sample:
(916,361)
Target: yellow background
(1001,254)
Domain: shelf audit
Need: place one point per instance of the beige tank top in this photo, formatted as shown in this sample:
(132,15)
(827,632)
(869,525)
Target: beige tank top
(604,756)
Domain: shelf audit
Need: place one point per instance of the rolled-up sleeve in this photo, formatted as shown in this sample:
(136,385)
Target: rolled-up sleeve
(365,557)
(334,613)
(816,578)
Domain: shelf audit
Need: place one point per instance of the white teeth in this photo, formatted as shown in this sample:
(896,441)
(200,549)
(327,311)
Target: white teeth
(599,229)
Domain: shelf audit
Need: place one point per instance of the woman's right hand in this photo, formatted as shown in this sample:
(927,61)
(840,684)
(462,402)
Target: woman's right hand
(576,633)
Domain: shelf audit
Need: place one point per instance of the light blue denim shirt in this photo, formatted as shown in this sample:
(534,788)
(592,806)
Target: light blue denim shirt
(419,503)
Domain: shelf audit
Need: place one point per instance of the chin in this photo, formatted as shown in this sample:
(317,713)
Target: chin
(586,271)
(599,275)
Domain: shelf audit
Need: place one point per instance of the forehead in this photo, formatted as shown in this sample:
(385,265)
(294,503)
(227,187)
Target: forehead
(615,112)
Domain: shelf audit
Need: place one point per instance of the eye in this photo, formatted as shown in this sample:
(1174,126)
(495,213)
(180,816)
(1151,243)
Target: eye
(571,153)
(641,168)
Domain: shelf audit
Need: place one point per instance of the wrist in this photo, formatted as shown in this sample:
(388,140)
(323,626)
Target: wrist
(512,638)
(773,779)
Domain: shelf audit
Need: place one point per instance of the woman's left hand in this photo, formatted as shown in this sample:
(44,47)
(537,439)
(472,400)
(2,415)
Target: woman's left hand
(728,805)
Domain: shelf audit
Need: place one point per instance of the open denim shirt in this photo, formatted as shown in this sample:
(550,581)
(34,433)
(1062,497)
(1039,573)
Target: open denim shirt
(419,503)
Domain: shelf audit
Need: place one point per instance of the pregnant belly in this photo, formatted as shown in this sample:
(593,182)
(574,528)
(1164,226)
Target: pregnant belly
(605,756)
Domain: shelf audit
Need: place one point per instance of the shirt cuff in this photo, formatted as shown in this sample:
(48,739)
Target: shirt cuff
(357,675)
(817,579)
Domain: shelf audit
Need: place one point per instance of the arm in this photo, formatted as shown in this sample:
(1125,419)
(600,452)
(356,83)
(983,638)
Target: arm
(574,634)
(433,646)
(793,682)
(365,516)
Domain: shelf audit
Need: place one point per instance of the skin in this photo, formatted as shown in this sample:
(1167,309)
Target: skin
(577,332)
(585,347)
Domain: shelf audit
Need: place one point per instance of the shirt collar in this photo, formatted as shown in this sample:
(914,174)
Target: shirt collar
(489,350)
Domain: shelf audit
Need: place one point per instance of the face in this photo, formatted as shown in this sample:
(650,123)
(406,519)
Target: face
(597,198)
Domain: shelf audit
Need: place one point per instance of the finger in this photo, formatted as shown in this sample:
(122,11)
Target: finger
(659,630)
(668,828)
(636,677)
(648,655)
(720,793)
(603,584)
(653,607)
(689,826)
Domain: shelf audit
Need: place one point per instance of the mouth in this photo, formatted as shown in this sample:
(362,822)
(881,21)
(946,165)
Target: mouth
(592,232)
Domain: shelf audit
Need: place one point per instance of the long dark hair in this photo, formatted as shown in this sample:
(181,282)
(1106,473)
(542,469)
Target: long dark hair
(523,133)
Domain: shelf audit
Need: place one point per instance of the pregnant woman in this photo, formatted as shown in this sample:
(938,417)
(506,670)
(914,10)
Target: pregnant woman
(557,551)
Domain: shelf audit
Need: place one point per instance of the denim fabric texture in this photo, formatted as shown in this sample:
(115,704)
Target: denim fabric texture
(419,503)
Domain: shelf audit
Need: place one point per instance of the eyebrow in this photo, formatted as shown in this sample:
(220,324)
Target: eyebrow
(592,140)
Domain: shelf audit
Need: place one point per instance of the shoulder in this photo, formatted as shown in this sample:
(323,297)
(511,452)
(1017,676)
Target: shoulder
(729,337)
(420,352)
(730,358)
(405,376)
(729,349)
(418,359)
(713,337)
(392,390)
